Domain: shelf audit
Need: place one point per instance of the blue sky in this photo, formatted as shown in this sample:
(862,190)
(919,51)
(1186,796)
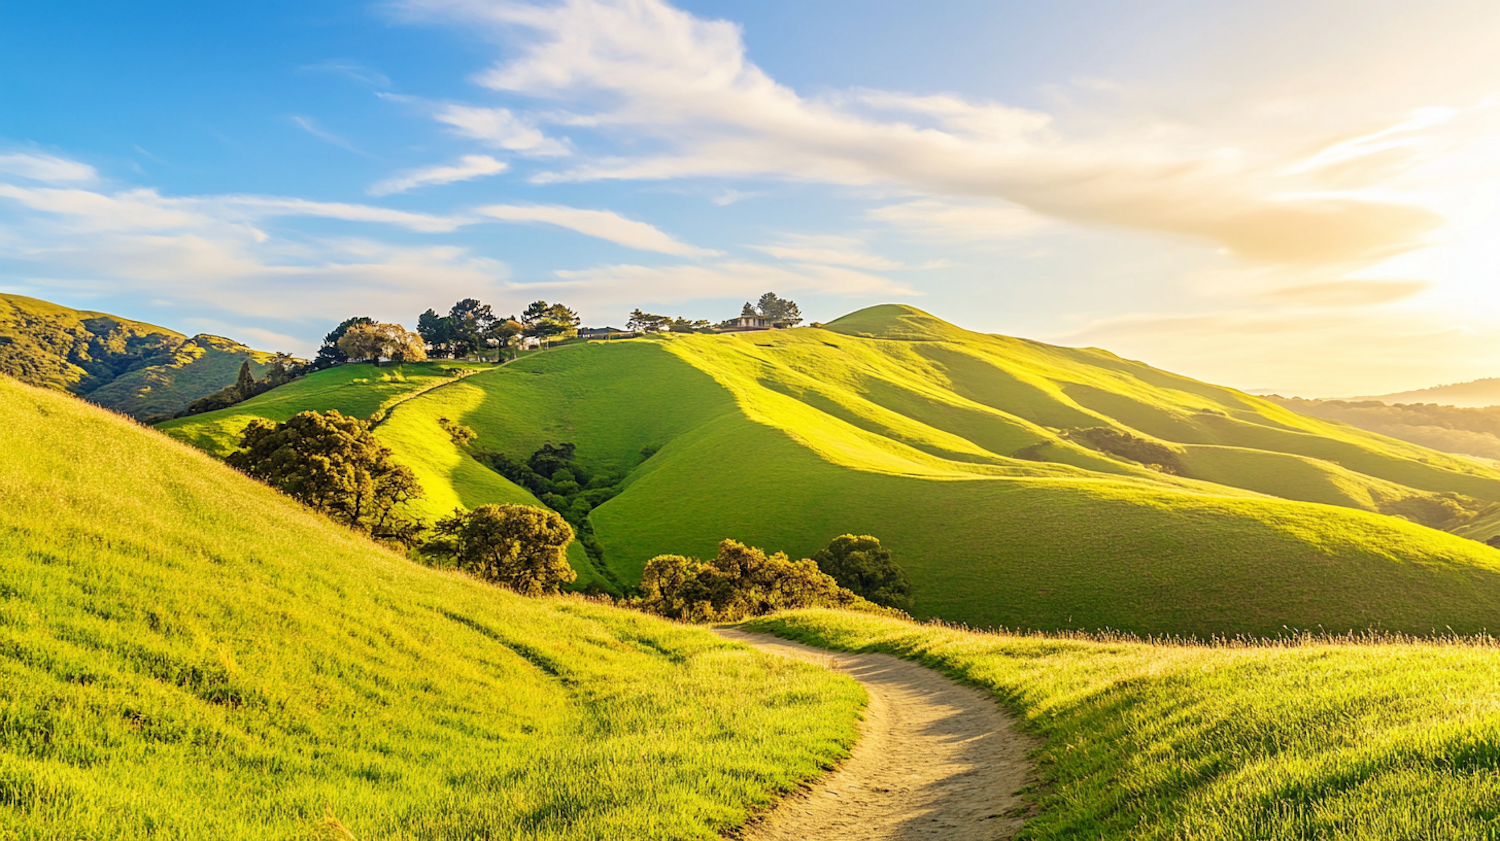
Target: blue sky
(1302,196)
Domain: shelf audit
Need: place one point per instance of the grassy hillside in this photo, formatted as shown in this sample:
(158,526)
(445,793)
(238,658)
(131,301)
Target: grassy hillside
(1473,394)
(188,654)
(976,459)
(1336,740)
(449,478)
(134,368)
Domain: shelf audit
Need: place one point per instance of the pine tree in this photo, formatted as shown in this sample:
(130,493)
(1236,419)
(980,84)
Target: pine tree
(245,385)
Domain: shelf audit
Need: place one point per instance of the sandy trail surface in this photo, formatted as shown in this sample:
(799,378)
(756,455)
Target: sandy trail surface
(934,759)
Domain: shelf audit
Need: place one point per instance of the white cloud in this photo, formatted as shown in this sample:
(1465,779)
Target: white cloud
(629,285)
(960,222)
(500,128)
(468,168)
(145,209)
(682,90)
(46,168)
(829,250)
(603,224)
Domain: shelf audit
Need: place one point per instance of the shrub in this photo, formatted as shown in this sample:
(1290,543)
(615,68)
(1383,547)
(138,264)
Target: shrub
(520,546)
(739,583)
(862,566)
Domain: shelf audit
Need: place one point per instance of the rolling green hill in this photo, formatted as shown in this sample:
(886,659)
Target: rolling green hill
(133,368)
(1018,483)
(188,654)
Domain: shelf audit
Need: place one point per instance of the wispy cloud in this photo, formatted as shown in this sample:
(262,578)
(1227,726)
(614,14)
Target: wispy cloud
(349,70)
(501,128)
(629,285)
(682,89)
(1349,293)
(602,224)
(309,125)
(468,168)
(46,168)
(960,222)
(828,250)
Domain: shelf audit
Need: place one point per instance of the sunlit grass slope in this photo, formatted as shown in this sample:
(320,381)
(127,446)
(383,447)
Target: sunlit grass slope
(187,654)
(359,390)
(790,438)
(1308,740)
(449,478)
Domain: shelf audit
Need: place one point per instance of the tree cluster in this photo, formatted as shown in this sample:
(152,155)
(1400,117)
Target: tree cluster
(382,341)
(774,309)
(645,322)
(545,322)
(740,582)
(333,464)
(329,353)
(1133,447)
(282,369)
(469,327)
(861,565)
(518,546)
(562,483)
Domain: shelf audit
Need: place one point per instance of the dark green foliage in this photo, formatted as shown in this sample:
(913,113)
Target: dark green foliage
(739,583)
(646,322)
(778,310)
(861,565)
(245,382)
(468,322)
(436,331)
(329,354)
(748,310)
(545,321)
(333,464)
(519,546)
(461,435)
(1440,511)
(1124,445)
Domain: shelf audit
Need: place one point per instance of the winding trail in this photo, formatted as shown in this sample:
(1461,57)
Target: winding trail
(934,760)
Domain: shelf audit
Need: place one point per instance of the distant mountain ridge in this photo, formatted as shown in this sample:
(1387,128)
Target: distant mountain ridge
(1475,394)
(134,368)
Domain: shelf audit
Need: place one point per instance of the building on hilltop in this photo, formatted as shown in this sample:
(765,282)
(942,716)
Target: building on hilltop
(747,323)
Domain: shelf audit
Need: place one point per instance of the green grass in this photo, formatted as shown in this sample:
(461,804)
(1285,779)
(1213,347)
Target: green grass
(359,390)
(1309,739)
(186,653)
(788,439)
(950,447)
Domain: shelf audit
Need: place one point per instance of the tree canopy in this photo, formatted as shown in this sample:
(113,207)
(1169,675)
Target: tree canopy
(546,321)
(519,546)
(333,464)
(374,341)
(740,582)
(329,354)
(779,310)
(860,564)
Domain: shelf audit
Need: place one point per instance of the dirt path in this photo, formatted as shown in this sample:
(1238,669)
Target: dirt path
(934,760)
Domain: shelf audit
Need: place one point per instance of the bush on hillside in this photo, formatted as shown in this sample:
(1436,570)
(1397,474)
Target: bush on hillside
(519,546)
(1124,445)
(1440,511)
(741,582)
(333,464)
(862,566)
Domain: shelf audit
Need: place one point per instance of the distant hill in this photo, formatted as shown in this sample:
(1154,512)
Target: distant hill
(134,368)
(1473,394)
(1018,483)
(190,654)
(1451,429)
